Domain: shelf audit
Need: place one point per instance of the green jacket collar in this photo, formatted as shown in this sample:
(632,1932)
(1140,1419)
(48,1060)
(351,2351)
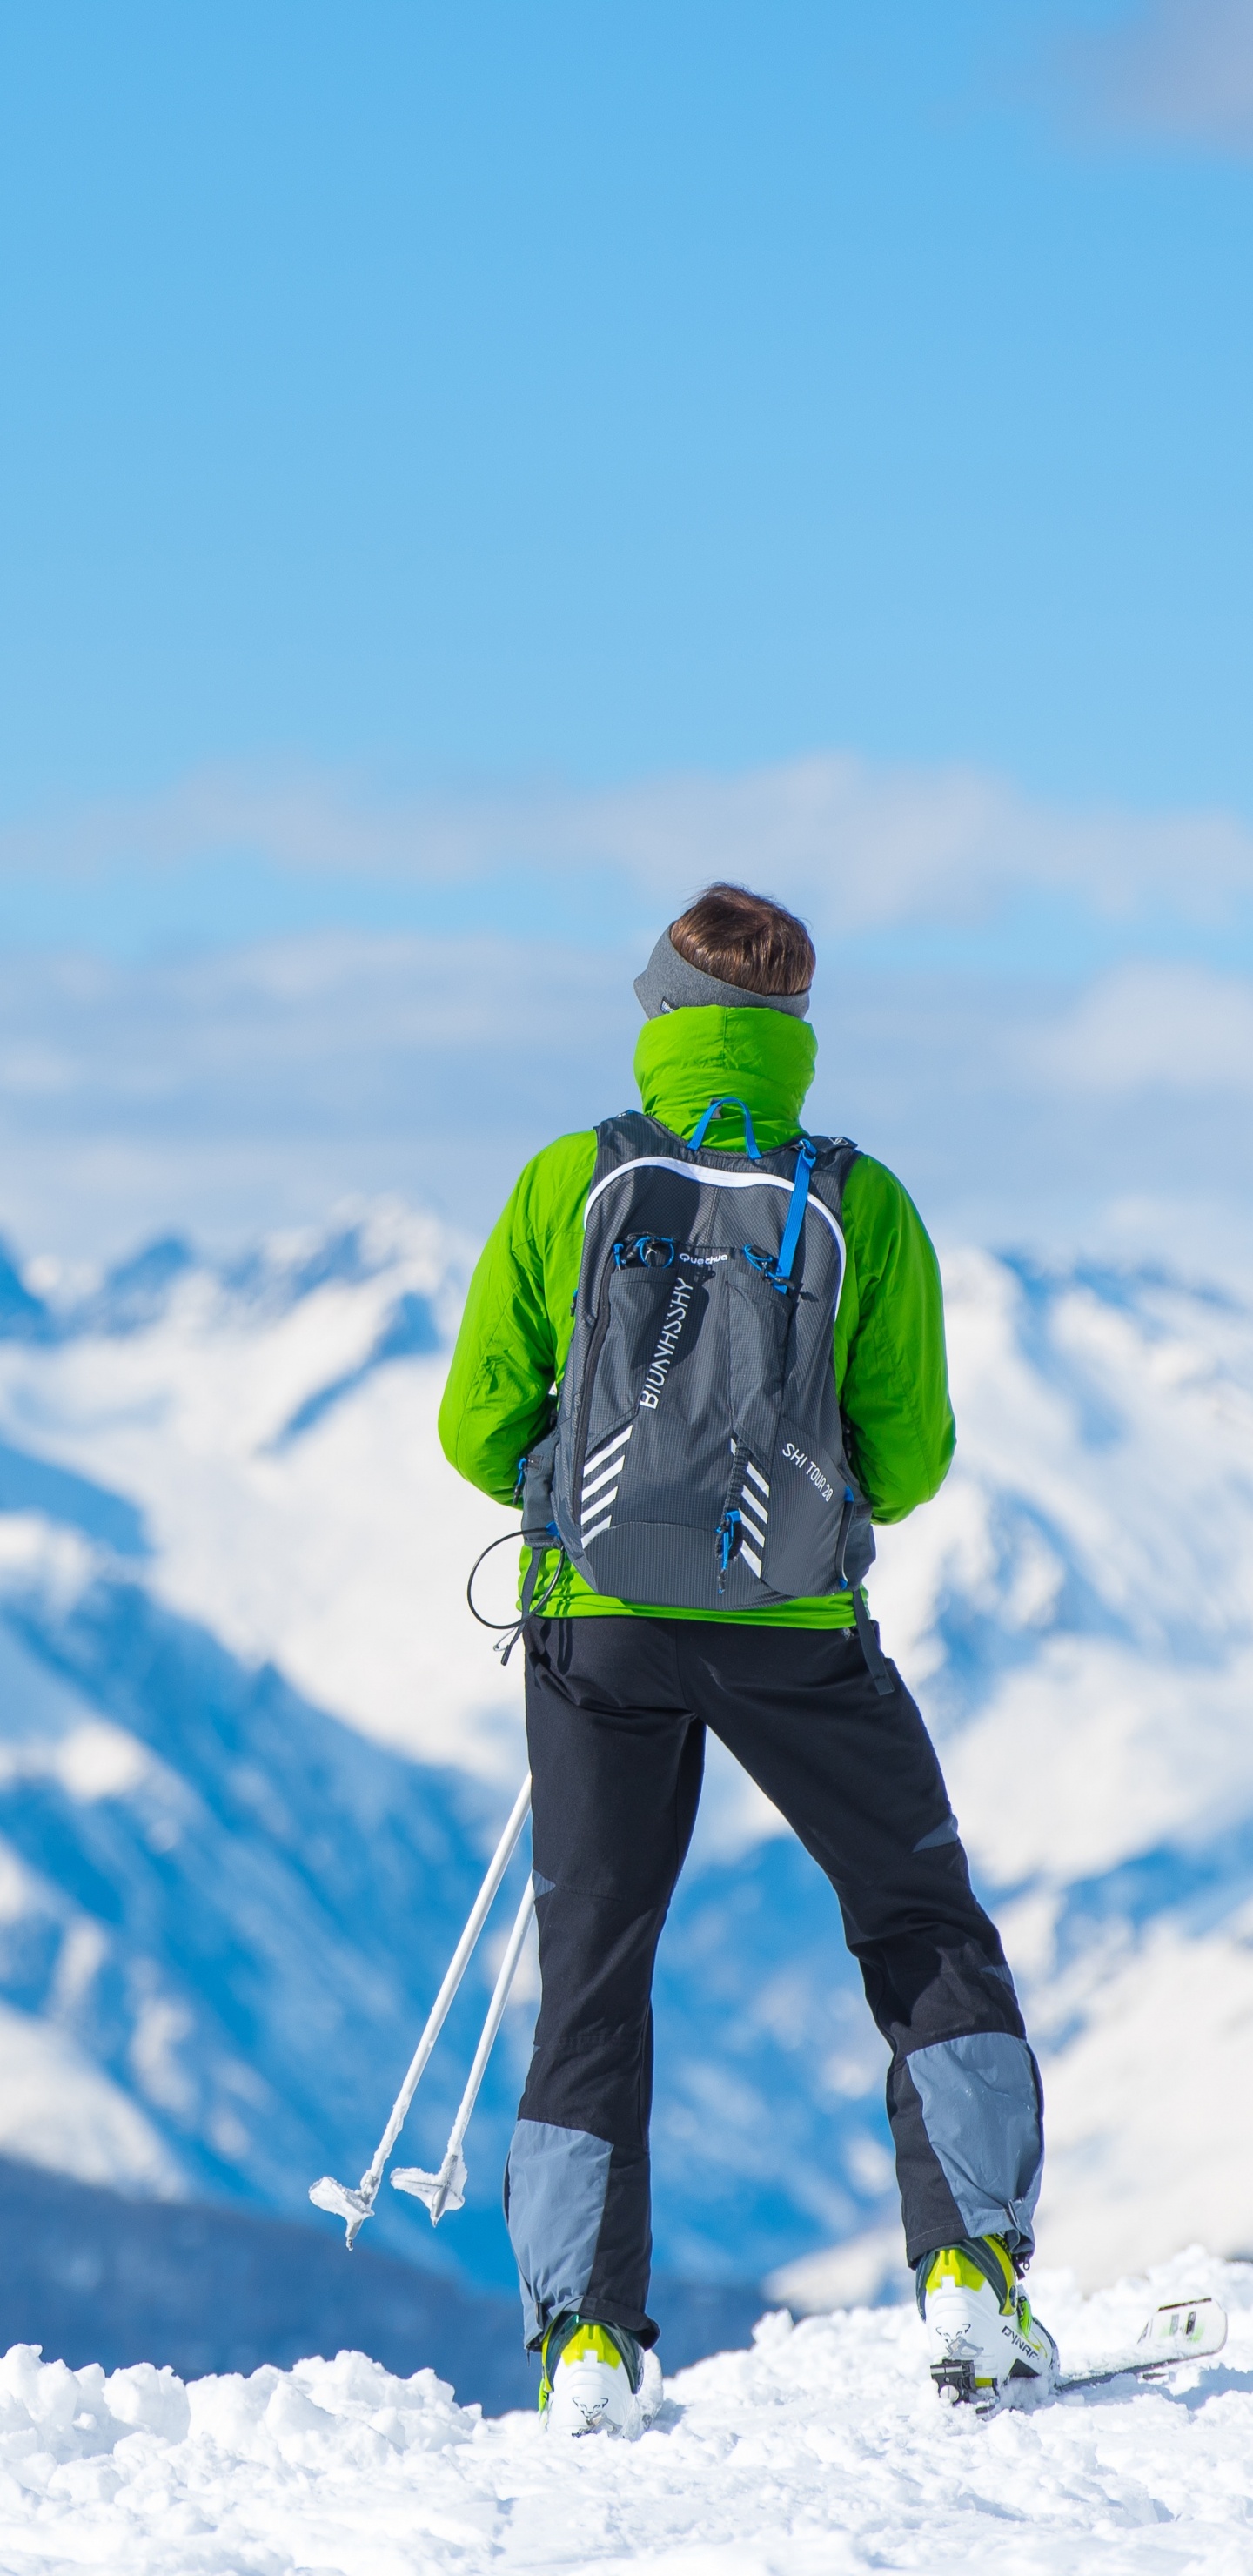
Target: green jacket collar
(685,1058)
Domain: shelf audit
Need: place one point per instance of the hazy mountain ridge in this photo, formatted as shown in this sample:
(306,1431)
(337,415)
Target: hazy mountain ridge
(233,1906)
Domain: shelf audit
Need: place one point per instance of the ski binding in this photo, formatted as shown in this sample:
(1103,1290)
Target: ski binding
(1183,2330)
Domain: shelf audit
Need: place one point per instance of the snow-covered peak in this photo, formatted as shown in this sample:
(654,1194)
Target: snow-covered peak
(226,1527)
(406,1250)
(1076,1607)
(1101,1482)
(263,1431)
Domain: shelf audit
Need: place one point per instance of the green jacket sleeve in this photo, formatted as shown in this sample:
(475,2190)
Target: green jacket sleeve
(890,1360)
(518,1321)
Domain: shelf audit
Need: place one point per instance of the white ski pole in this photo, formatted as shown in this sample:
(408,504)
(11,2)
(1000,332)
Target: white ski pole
(354,2207)
(447,2188)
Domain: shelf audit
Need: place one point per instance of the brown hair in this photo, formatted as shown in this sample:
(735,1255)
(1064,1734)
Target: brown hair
(745,939)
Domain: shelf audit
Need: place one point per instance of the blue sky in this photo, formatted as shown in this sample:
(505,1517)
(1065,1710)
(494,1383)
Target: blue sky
(596,390)
(432,436)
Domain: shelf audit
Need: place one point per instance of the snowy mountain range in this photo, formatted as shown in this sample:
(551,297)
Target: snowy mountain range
(252,1751)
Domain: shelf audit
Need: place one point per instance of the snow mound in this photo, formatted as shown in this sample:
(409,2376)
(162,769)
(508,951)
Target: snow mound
(821,2449)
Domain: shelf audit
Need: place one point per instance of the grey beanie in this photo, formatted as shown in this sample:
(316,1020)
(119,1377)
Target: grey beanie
(668,983)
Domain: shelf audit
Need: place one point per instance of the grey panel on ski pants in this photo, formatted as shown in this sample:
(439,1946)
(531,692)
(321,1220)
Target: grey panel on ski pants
(616,1713)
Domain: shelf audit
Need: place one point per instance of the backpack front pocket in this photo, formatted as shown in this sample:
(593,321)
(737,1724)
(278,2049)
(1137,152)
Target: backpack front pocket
(654,1399)
(759,1329)
(821,1537)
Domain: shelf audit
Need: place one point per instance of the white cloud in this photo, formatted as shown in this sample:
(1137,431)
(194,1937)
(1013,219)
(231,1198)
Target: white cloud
(857,847)
(1176,67)
(1146,1028)
(230,1090)
(231,1093)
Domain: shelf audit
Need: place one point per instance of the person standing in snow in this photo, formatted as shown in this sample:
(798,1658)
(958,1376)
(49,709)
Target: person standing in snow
(708,1426)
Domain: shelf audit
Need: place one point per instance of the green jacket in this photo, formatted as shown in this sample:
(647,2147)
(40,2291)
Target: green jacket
(889,1332)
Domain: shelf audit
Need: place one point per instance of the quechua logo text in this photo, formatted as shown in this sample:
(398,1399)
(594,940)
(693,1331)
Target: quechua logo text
(667,1344)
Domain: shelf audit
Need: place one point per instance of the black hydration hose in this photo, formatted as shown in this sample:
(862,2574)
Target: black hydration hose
(531,1608)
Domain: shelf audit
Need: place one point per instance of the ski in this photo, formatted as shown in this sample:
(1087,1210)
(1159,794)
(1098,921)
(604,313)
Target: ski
(1182,2330)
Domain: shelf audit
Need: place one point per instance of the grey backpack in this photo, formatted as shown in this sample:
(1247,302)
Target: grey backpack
(698,1460)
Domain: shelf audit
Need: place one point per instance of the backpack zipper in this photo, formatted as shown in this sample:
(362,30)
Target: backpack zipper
(842,1537)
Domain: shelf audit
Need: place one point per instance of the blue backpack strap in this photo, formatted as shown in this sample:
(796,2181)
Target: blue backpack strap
(727,1100)
(779,1271)
(806,1157)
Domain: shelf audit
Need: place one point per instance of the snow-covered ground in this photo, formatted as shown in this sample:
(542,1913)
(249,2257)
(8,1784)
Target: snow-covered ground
(820,2452)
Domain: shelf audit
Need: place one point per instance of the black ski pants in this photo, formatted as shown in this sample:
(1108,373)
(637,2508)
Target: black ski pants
(616,1716)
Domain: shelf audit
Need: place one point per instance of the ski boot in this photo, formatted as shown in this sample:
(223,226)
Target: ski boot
(985,2345)
(596,2379)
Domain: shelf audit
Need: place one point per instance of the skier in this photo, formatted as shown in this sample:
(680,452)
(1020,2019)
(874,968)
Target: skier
(709,1576)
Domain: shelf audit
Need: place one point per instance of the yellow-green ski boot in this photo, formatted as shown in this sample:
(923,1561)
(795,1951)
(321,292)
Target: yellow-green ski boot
(984,2345)
(596,2379)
